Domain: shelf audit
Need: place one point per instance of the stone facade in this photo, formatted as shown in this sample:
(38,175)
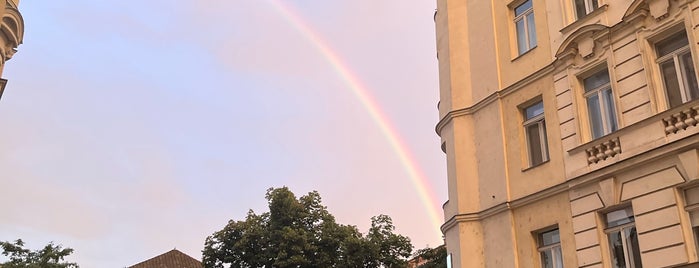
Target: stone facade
(11,34)
(606,174)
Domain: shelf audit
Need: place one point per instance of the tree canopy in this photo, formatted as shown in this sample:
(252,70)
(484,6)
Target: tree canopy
(300,232)
(51,256)
(432,257)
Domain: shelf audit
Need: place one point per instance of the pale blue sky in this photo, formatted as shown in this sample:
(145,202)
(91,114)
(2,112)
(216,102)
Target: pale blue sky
(133,127)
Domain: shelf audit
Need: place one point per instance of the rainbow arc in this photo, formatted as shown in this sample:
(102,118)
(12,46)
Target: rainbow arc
(352,81)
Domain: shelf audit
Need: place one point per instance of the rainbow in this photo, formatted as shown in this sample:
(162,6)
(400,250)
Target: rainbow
(418,179)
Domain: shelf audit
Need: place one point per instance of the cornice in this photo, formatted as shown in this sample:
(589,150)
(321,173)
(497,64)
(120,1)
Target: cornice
(493,97)
(505,206)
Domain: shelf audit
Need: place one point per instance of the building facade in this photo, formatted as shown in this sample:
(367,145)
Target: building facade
(11,34)
(571,132)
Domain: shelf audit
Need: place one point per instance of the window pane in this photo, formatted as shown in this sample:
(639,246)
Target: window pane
(633,251)
(611,112)
(595,5)
(672,85)
(534,110)
(580,8)
(596,80)
(617,250)
(550,238)
(619,217)
(546,259)
(593,109)
(523,7)
(558,257)
(672,43)
(531,27)
(689,76)
(535,156)
(521,37)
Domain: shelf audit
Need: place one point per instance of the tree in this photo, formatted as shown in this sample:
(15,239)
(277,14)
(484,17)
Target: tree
(51,256)
(433,257)
(300,232)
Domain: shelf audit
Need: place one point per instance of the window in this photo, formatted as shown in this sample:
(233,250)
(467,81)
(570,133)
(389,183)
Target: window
(535,128)
(584,7)
(524,22)
(691,197)
(677,69)
(550,249)
(600,104)
(623,239)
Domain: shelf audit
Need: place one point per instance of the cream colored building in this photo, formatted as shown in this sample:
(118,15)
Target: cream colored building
(571,132)
(11,34)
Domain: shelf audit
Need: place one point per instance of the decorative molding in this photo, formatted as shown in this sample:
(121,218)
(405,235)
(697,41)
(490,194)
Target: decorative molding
(659,8)
(506,206)
(582,40)
(11,30)
(492,97)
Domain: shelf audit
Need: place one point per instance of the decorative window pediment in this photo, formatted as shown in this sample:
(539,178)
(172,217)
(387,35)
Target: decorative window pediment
(582,42)
(658,9)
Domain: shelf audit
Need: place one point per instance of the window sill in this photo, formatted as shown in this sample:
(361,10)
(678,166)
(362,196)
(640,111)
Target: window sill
(584,20)
(525,53)
(535,166)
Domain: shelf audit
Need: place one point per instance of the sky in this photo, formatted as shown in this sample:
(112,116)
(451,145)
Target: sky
(130,128)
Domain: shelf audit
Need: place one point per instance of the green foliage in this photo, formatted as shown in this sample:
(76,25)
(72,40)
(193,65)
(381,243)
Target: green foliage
(51,256)
(435,257)
(302,233)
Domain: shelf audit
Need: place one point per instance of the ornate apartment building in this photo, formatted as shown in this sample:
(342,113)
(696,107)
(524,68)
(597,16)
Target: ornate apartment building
(571,130)
(11,34)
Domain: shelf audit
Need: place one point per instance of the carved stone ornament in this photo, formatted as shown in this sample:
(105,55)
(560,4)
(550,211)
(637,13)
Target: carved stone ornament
(659,8)
(586,46)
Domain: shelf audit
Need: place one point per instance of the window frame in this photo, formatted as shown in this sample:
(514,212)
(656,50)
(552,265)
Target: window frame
(538,120)
(528,46)
(691,201)
(680,68)
(608,124)
(590,6)
(621,228)
(542,248)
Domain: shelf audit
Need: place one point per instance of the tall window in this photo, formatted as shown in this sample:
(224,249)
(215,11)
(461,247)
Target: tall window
(677,69)
(550,249)
(526,30)
(584,7)
(535,128)
(600,104)
(691,197)
(623,239)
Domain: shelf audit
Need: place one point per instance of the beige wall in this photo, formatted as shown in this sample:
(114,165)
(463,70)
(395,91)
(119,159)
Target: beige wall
(497,202)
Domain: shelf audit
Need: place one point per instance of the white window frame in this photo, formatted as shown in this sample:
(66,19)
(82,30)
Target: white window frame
(540,121)
(628,260)
(674,56)
(609,125)
(527,28)
(551,247)
(590,5)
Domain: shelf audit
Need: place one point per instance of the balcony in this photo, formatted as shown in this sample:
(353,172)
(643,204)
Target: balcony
(658,132)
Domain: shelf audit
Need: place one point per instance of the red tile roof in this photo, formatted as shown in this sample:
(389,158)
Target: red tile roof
(171,259)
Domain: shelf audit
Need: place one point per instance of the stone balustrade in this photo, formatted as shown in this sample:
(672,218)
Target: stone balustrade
(603,150)
(681,120)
